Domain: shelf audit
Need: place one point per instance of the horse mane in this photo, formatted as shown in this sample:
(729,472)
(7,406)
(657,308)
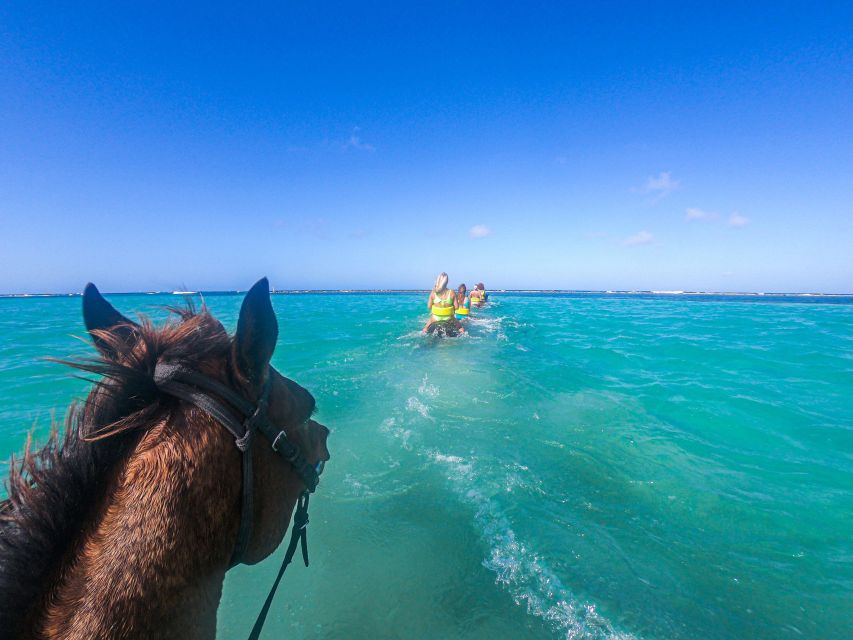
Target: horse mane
(54,492)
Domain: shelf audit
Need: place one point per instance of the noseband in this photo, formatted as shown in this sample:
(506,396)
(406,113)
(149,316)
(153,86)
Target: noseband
(197,389)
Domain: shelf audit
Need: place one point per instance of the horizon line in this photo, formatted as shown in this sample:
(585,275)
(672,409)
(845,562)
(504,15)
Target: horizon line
(670,292)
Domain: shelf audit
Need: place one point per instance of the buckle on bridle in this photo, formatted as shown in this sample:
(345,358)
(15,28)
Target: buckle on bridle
(281,434)
(290,452)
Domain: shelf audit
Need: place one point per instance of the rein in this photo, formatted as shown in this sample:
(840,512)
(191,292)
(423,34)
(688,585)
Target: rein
(196,389)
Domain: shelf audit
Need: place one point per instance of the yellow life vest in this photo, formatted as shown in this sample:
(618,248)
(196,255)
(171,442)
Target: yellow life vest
(464,307)
(442,312)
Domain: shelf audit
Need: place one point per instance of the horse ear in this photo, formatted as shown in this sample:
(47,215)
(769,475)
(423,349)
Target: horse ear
(99,315)
(257,333)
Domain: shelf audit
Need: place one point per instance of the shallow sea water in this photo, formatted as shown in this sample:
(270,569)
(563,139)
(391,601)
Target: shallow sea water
(578,466)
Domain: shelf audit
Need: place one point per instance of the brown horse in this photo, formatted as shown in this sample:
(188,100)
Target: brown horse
(125,527)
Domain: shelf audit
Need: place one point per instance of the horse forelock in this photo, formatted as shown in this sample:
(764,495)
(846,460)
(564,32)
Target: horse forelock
(53,491)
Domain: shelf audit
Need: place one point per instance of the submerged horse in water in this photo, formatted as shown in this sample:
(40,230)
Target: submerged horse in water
(125,526)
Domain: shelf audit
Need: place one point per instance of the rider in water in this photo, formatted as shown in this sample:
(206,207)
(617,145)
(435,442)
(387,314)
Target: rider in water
(442,304)
(463,303)
(479,295)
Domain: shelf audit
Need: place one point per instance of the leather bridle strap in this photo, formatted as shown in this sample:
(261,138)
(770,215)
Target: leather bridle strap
(196,388)
(298,534)
(174,378)
(184,384)
(170,376)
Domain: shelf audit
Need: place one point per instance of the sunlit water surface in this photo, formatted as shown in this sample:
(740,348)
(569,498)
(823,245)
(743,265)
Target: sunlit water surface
(577,467)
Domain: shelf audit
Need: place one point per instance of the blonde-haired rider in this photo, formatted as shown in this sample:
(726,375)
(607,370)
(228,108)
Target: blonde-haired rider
(442,304)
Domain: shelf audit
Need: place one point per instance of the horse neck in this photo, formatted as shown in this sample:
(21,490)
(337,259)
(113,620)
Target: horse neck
(152,564)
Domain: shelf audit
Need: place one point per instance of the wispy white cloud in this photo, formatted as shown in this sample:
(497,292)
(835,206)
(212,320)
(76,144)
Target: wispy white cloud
(737,220)
(660,185)
(355,142)
(695,213)
(479,231)
(734,220)
(642,237)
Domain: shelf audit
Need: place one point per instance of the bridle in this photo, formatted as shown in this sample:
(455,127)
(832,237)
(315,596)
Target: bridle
(204,392)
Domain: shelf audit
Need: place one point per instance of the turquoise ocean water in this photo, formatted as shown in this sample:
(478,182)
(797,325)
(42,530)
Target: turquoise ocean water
(579,466)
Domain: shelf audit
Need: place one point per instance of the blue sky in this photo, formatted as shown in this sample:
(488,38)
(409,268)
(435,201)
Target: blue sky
(543,145)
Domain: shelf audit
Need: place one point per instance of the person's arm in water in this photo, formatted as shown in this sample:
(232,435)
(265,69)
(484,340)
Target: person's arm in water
(429,308)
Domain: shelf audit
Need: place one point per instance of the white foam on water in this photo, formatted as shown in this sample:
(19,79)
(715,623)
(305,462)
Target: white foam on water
(356,488)
(520,570)
(414,404)
(427,389)
(498,326)
(389,425)
(489,325)
(460,469)
(440,457)
(417,334)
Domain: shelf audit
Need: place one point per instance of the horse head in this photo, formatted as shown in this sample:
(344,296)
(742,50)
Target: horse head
(245,368)
(188,456)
